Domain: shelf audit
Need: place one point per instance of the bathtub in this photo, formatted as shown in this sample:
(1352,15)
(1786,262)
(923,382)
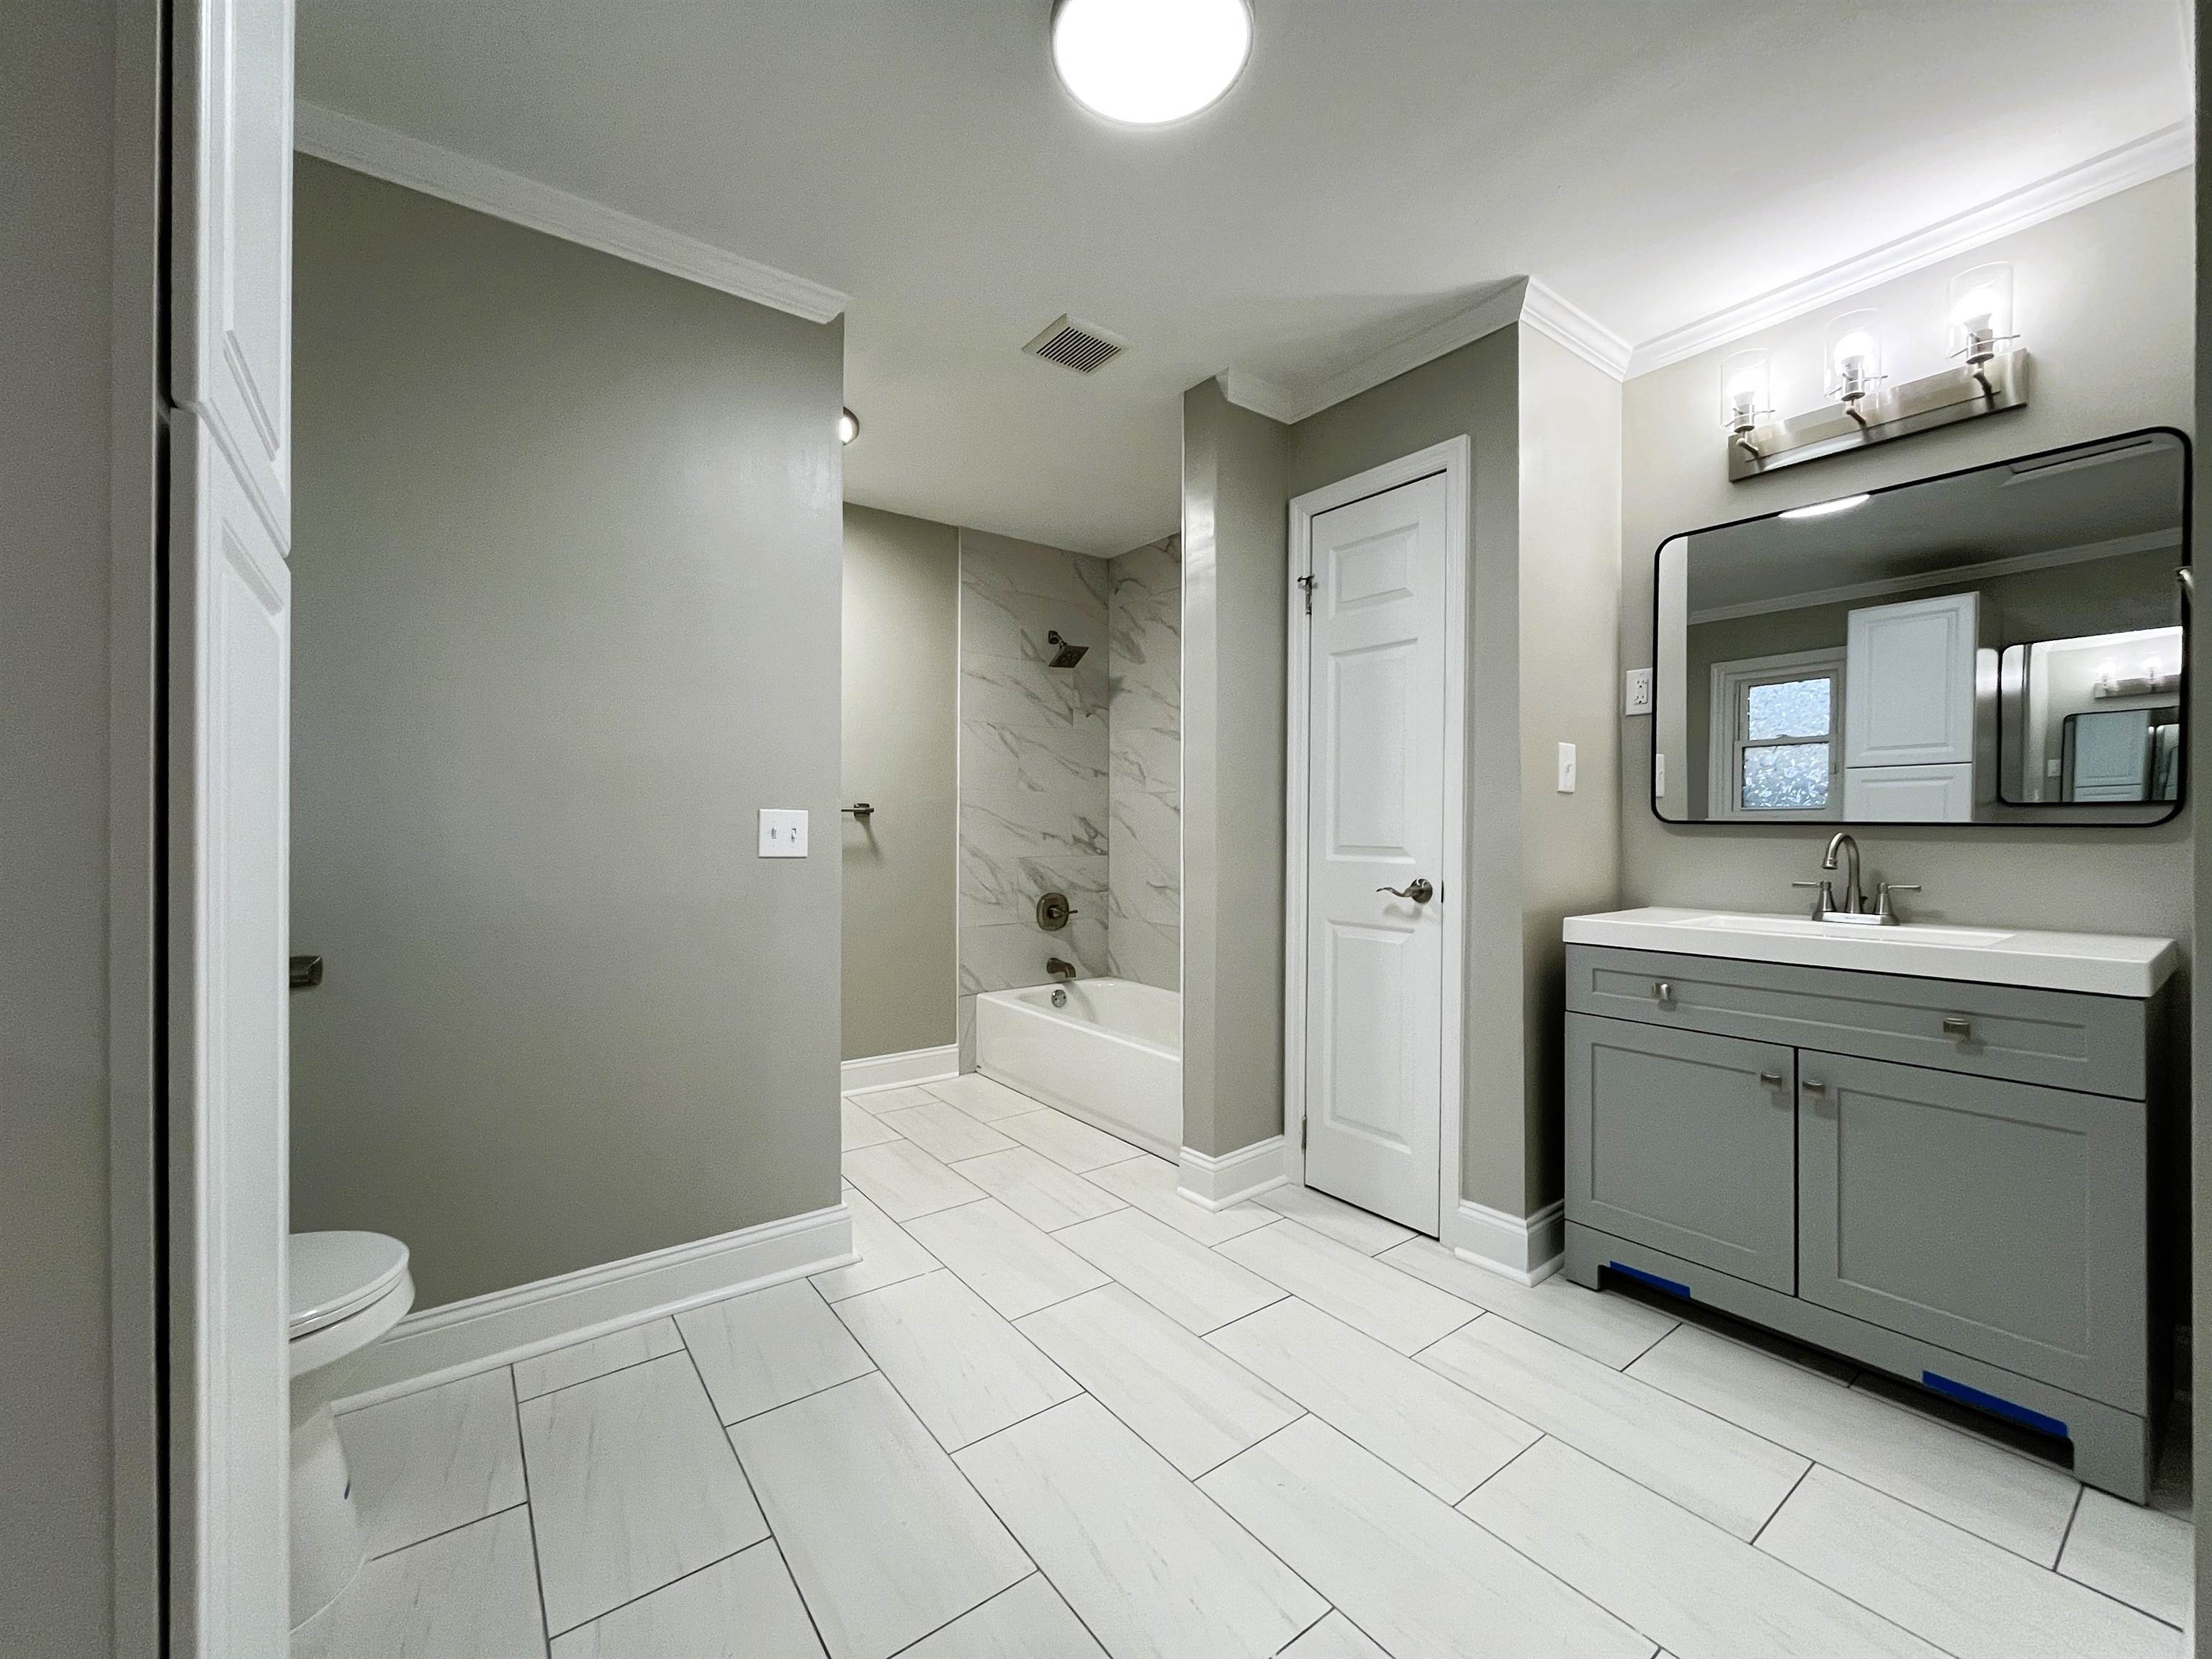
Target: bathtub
(1112,1056)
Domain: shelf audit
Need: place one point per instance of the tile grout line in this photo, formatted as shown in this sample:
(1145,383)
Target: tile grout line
(2072,1516)
(1803,1475)
(537,1565)
(447,1532)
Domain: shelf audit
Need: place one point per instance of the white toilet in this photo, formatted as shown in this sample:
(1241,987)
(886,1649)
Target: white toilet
(348,1289)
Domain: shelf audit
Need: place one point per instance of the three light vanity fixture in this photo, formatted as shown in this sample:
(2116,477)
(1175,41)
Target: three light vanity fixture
(1866,406)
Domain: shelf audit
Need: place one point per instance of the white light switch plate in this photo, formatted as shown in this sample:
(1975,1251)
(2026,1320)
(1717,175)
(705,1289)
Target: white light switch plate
(1635,692)
(1566,769)
(782,832)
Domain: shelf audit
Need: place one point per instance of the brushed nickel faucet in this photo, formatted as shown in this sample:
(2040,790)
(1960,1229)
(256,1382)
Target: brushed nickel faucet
(1853,906)
(1854,898)
(1058,968)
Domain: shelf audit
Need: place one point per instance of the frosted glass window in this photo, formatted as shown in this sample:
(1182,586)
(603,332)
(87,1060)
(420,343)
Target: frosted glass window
(1789,708)
(1786,778)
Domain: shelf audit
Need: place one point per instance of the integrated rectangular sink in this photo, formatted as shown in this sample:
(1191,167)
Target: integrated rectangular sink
(2099,964)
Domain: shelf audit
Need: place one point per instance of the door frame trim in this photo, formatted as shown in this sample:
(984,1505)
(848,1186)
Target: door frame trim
(1455,459)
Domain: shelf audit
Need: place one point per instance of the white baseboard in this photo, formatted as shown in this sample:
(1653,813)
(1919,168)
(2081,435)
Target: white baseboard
(897,1071)
(462,1338)
(1215,1183)
(1527,1250)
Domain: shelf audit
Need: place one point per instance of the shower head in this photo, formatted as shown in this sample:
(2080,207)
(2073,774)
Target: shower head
(1068,655)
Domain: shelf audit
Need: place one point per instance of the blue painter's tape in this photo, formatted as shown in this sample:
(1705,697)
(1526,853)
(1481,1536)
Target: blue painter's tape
(1996,1405)
(1673,1287)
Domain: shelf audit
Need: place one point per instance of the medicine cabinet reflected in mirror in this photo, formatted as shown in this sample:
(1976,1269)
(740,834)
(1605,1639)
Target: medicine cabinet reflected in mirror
(2004,645)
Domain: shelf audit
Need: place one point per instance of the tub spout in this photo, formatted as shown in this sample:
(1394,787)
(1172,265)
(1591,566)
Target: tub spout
(1058,968)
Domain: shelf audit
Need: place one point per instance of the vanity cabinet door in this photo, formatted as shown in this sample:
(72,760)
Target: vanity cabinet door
(1685,1142)
(1997,1219)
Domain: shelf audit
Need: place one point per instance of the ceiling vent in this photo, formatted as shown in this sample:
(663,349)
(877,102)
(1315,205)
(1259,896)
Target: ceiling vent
(1076,345)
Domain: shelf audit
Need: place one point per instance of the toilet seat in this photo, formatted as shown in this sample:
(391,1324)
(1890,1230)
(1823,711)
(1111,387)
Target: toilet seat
(347,1289)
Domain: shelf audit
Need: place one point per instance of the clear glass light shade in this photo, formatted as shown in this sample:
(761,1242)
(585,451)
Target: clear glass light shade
(1147,62)
(1854,353)
(848,425)
(1746,390)
(1981,318)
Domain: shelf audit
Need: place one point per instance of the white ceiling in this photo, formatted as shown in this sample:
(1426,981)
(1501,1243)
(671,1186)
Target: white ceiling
(1382,165)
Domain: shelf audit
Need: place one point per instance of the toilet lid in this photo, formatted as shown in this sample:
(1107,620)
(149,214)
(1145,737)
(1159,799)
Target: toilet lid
(334,1274)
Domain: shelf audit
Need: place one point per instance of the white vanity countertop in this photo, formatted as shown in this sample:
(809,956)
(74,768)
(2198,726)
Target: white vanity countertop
(2098,964)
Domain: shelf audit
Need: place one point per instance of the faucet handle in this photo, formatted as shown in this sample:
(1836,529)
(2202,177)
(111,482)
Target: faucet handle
(1823,902)
(1882,892)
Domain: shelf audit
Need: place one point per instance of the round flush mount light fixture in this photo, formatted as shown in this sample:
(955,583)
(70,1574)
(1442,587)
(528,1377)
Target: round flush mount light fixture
(848,425)
(1145,62)
(1821,509)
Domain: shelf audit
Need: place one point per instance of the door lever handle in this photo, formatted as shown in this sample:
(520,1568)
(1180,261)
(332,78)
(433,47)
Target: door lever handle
(1417,889)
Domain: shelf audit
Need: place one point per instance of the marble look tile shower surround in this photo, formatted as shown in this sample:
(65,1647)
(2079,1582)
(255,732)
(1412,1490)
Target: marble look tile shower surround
(1143,897)
(1033,763)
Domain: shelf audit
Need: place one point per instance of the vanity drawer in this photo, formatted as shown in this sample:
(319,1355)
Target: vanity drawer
(2060,1039)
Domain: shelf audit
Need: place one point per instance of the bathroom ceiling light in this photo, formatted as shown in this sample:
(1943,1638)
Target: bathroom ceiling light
(1821,509)
(1148,62)
(848,425)
(1854,357)
(1981,313)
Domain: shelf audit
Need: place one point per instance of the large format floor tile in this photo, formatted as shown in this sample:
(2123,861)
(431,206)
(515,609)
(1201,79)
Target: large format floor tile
(1149,1183)
(1037,1189)
(433,1460)
(876,1102)
(1420,1578)
(888,1542)
(1070,1144)
(1965,1594)
(858,1128)
(1147,1562)
(963,1368)
(1191,1284)
(1029,1621)
(470,1594)
(906,1182)
(946,1131)
(631,1487)
(1335,1637)
(1186,1400)
(1389,1305)
(887,1252)
(1683,1582)
(745,1607)
(1348,1224)
(1986,1488)
(767,1348)
(582,1361)
(2139,1555)
(1449,1440)
(1711,1467)
(982,1098)
(1016,1268)
(1612,1329)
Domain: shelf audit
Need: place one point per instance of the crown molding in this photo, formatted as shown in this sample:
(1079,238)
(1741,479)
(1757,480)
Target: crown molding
(1575,329)
(1501,308)
(349,142)
(2152,156)
(1261,397)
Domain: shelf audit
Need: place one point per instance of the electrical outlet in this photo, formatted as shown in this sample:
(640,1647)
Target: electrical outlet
(1566,769)
(1636,693)
(782,833)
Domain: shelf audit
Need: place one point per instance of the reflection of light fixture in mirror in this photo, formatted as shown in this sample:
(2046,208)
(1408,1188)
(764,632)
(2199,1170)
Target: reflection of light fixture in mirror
(1821,509)
(1854,358)
(1981,314)
(1149,61)
(1745,398)
(848,425)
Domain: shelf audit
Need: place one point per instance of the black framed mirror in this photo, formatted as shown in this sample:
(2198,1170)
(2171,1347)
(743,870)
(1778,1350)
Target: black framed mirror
(2003,645)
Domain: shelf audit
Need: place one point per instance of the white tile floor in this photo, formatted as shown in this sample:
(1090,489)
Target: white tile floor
(1058,1412)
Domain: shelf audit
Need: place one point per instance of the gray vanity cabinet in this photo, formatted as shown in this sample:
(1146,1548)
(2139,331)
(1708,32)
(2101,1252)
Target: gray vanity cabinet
(1947,1182)
(1689,1145)
(1999,1220)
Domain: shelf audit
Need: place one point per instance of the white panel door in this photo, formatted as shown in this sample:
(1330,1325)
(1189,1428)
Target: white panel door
(231,199)
(1909,683)
(1374,819)
(1908,794)
(229,927)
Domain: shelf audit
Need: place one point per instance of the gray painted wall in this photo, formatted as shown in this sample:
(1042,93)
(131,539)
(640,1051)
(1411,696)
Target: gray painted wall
(901,720)
(567,573)
(2200,758)
(1033,764)
(2104,300)
(1143,849)
(1235,525)
(56,108)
